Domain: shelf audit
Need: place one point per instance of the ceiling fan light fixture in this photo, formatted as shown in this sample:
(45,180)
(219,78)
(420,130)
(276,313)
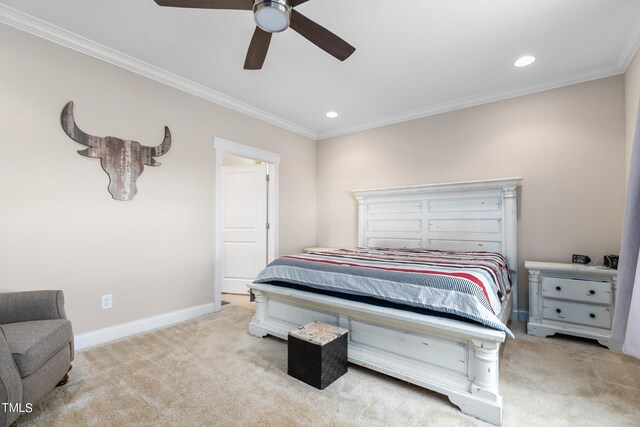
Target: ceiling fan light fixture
(272,16)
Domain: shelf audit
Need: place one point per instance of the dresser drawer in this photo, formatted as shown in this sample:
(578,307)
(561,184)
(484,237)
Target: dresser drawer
(583,314)
(577,290)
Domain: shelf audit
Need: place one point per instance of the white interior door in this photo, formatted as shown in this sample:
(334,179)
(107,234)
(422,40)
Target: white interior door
(244,231)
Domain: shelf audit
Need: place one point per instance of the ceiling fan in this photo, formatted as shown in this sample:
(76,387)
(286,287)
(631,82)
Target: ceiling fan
(273,16)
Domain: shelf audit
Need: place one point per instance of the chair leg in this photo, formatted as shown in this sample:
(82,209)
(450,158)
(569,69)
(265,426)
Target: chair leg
(65,379)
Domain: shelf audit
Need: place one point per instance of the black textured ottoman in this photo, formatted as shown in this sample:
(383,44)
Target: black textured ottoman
(317,353)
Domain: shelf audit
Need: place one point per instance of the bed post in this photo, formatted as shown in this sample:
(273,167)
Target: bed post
(485,401)
(511,241)
(255,326)
(485,381)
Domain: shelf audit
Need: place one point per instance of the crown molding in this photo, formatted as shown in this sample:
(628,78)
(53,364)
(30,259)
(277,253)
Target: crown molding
(473,101)
(630,46)
(52,33)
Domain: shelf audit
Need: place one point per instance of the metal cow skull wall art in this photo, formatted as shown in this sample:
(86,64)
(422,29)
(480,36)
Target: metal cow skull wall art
(121,159)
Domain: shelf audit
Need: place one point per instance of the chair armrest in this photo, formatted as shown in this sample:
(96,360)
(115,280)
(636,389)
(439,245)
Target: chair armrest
(31,305)
(10,383)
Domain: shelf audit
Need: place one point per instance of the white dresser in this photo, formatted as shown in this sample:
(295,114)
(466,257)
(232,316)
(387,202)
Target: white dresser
(571,299)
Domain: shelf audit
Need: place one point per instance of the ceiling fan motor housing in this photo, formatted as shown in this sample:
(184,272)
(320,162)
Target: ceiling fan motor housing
(272,16)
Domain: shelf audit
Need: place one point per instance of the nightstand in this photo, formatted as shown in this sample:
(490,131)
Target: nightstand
(572,299)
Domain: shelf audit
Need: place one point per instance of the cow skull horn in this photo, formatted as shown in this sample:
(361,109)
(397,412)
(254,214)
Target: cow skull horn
(164,147)
(74,132)
(150,152)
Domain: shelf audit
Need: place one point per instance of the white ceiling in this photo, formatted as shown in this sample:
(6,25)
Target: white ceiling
(413,57)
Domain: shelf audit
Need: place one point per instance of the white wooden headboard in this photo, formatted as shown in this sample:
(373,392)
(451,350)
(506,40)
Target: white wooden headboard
(465,216)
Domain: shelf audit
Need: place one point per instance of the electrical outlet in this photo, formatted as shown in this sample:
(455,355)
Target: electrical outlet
(107,301)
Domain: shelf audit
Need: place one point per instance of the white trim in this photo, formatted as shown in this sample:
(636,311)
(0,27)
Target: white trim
(112,333)
(473,101)
(630,47)
(223,146)
(52,33)
(217,232)
(246,151)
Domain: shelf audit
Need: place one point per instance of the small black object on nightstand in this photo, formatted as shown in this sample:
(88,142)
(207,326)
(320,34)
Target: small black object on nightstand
(580,259)
(611,261)
(317,354)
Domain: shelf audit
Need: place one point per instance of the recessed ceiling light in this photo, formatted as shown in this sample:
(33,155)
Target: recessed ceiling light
(332,114)
(524,61)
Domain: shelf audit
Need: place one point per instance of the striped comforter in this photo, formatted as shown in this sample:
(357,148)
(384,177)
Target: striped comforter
(471,285)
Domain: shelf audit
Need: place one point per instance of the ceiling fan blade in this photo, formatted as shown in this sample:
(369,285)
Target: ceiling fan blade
(257,49)
(294,3)
(320,36)
(208,4)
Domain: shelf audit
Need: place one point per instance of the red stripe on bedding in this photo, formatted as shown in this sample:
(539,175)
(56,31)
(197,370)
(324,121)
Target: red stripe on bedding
(450,262)
(467,276)
(483,260)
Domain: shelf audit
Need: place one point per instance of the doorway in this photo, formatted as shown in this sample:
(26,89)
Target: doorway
(245,222)
(246,236)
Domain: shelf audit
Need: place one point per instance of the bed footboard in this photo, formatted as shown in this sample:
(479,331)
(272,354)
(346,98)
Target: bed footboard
(455,358)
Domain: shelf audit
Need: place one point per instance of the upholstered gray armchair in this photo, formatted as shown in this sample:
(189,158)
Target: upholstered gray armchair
(36,349)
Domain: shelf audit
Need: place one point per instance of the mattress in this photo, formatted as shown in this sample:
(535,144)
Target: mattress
(465,285)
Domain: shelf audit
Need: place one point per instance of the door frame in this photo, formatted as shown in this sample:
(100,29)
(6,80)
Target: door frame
(222,146)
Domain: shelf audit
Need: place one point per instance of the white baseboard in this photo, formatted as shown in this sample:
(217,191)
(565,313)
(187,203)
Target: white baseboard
(112,333)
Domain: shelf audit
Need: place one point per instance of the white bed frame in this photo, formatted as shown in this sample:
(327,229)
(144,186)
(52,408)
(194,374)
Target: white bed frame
(452,357)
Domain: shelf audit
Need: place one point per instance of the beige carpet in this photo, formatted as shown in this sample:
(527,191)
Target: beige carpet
(209,371)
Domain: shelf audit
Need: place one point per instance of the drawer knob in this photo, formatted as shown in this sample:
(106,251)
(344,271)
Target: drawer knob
(558,310)
(558,288)
(593,316)
(592,292)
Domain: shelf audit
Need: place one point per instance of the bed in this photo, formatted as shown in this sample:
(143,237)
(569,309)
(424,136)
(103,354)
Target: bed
(448,355)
